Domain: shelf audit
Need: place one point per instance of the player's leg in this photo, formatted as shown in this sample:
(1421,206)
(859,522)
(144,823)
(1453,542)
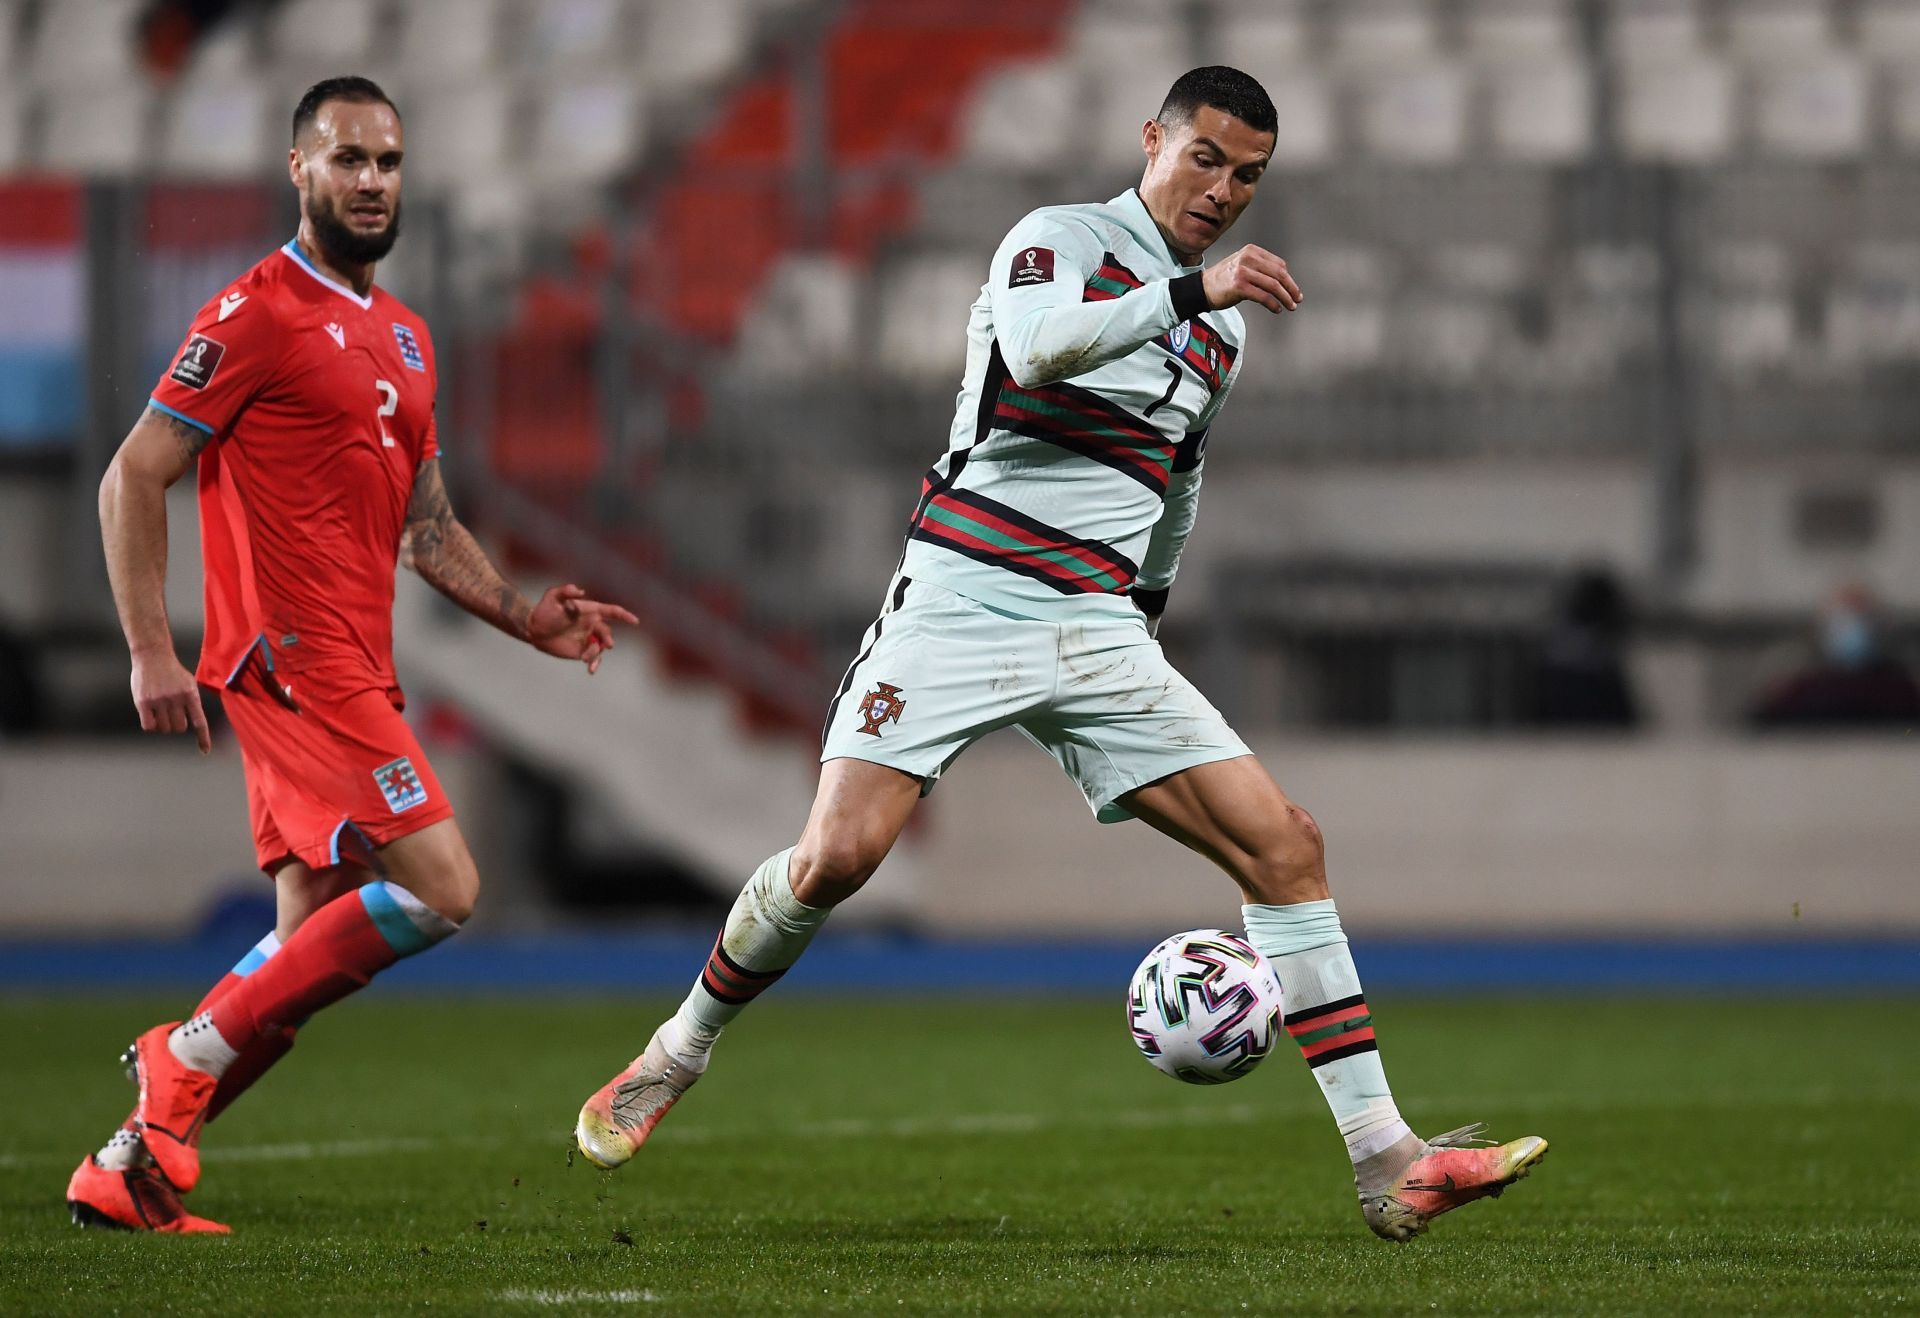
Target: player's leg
(858,812)
(1233,813)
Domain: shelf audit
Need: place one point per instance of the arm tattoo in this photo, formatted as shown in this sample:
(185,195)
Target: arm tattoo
(449,559)
(190,438)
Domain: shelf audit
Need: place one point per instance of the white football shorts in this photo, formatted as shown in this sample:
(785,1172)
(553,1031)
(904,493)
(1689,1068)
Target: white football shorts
(938,671)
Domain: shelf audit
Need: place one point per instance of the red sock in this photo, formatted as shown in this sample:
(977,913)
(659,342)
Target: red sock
(254,1061)
(335,951)
(217,992)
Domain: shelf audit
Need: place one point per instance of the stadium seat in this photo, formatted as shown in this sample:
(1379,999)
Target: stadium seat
(1751,311)
(229,50)
(1889,29)
(806,322)
(1873,307)
(1656,30)
(1903,106)
(586,129)
(97,129)
(1678,110)
(217,129)
(687,45)
(310,35)
(1303,104)
(10,13)
(1022,118)
(1541,113)
(441,40)
(1518,31)
(95,40)
(1416,114)
(571,33)
(1261,41)
(1391,32)
(1770,31)
(921,304)
(1813,108)
(1153,49)
(458,133)
(13,128)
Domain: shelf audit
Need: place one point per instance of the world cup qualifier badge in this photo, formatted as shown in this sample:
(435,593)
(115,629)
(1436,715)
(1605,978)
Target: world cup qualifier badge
(1031,265)
(198,361)
(409,348)
(880,705)
(400,785)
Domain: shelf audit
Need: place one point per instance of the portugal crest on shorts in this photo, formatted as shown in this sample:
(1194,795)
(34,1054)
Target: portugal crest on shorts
(880,705)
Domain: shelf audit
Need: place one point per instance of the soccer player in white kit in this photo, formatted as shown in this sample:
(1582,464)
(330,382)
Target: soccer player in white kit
(1037,564)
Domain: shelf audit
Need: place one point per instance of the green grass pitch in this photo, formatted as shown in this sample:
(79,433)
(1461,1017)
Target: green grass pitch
(1010,1156)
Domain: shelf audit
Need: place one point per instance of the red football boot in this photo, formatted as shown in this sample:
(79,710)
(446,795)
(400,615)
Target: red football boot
(1456,1168)
(173,1106)
(136,1200)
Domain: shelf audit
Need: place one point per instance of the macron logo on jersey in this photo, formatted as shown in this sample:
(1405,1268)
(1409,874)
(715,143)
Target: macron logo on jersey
(409,348)
(231,303)
(1031,266)
(338,335)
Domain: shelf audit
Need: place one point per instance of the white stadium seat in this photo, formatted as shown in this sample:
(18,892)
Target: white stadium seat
(1657,30)
(1751,325)
(1416,114)
(1022,118)
(806,321)
(1903,106)
(10,12)
(230,50)
(1677,110)
(98,129)
(92,39)
(318,34)
(922,304)
(217,129)
(579,32)
(1396,32)
(1516,31)
(1889,29)
(1769,31)
(1542,113)
(1262,40)
(1303,106)
(447,39)
(458,133)
(585,130)
(686,45)
(1116,109)
(1813,109)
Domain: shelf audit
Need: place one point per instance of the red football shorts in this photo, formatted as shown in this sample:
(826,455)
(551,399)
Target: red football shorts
(331,775)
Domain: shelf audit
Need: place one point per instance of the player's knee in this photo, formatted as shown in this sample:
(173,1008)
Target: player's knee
(1292,865)
(829,869)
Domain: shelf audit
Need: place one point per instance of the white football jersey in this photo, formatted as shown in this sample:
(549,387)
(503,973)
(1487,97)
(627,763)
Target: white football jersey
(1094,368)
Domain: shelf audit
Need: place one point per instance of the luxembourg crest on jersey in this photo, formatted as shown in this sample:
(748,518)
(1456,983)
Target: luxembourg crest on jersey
(400,785)
(409,348)
(880,705)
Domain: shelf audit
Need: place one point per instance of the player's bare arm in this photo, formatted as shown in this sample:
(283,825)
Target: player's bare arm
(158,451)
(564,623)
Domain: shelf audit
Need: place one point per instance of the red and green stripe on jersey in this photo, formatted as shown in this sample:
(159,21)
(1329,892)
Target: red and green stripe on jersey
(991,532)
(1332,1030)
(1088,424)
(731,982)
(1200,347)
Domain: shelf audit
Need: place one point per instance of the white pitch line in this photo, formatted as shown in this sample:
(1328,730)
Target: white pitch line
(563,1299)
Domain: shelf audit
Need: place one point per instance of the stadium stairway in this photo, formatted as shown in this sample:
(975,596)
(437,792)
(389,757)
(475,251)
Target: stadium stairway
(672,758)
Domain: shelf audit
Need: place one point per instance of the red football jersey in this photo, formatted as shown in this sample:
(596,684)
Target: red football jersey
(320,404)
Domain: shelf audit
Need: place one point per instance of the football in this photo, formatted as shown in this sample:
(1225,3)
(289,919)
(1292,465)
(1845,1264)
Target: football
(1204,1007)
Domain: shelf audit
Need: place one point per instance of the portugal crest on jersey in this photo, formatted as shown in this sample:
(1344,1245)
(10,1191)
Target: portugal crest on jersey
(880,705)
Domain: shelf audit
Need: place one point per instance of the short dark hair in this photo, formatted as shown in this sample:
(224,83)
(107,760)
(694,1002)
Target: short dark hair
(1222,88)
(361,91)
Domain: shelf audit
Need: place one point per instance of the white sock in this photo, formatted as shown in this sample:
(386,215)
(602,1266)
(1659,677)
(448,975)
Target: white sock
(765,933)
(1327,1016)
(125,1152)
(198,1045)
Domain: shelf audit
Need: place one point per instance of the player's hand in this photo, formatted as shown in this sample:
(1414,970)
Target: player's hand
(168,698)
(568,625)
(1252,274)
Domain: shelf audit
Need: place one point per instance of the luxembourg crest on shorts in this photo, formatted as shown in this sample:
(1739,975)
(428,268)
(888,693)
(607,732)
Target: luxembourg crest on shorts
(880,705)
(400,785)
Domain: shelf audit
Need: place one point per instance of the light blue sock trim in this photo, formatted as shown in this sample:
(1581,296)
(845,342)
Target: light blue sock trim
(257,957)
(1300,927)
(405,921)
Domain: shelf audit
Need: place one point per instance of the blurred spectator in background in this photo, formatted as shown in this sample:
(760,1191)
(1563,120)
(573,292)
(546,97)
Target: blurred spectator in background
(1581,676)
(1852,681)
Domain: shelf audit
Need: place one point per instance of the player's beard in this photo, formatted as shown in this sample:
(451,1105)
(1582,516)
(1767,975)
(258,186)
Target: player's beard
(342,244)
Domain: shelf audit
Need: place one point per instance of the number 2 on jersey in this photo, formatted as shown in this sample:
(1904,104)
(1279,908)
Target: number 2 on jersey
(1173,368)
(387,409)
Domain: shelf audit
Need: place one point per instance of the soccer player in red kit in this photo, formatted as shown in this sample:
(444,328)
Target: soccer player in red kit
(306,397)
